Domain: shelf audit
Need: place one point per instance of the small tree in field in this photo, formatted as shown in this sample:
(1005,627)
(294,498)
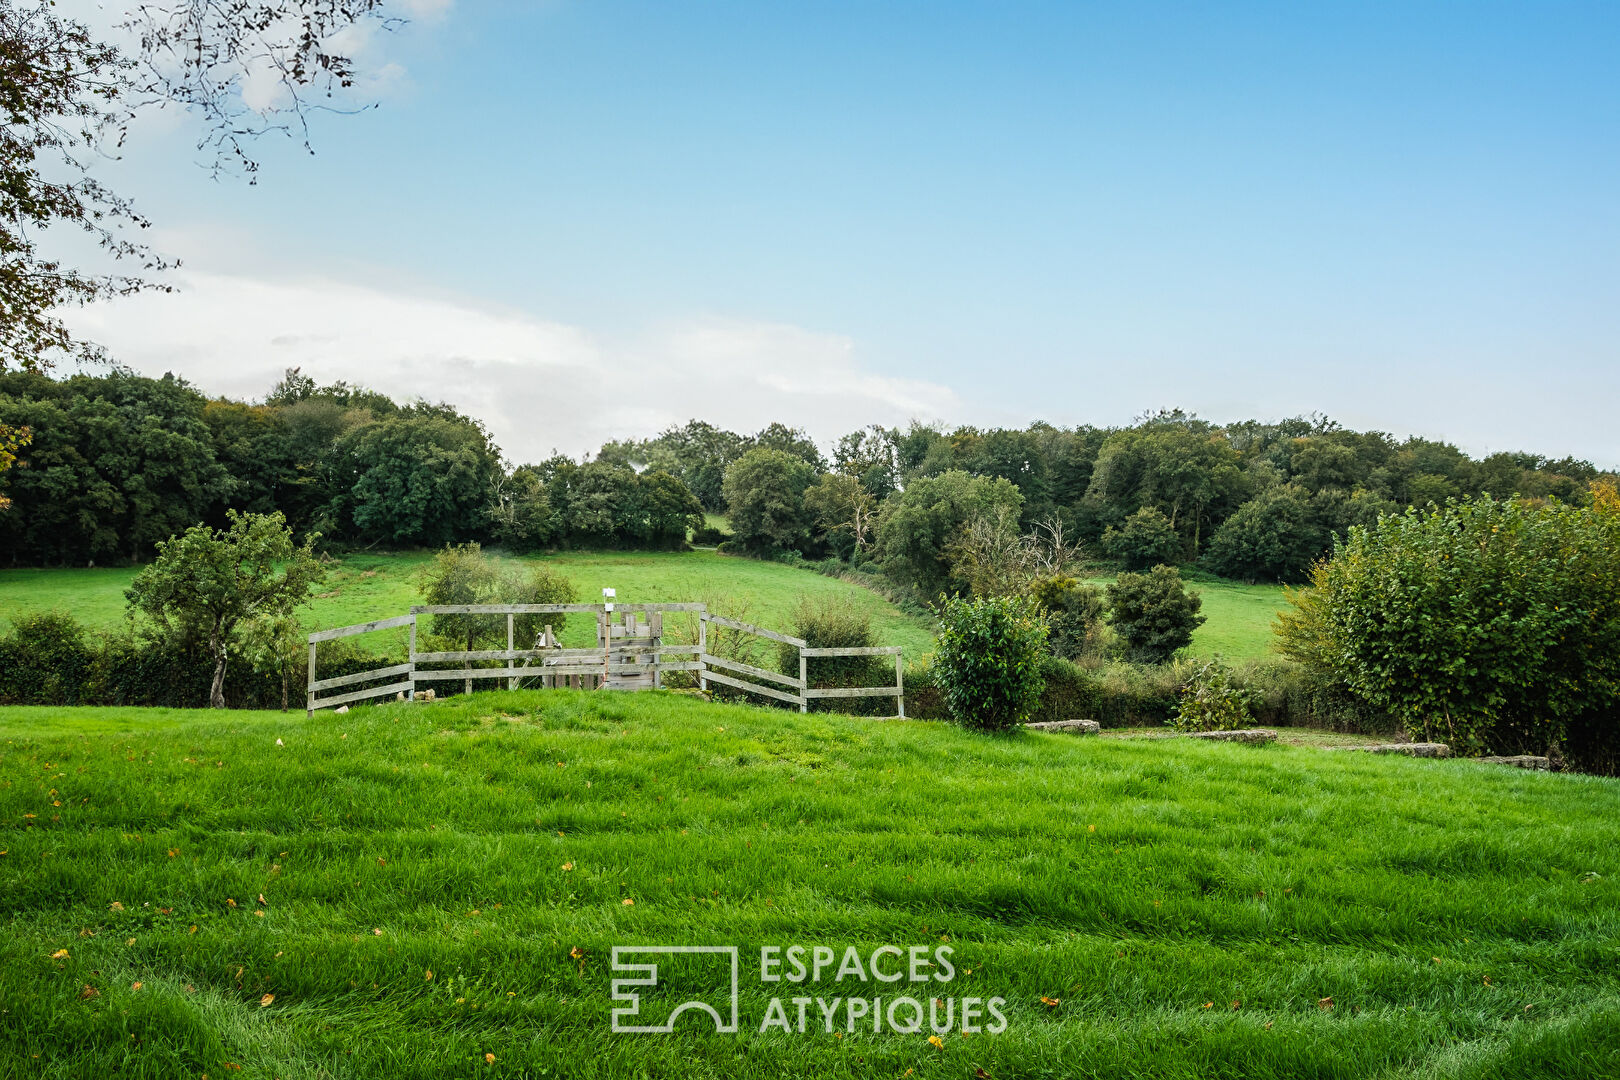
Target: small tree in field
(465,575)
(207,583)
(1145,539)
(989,660)
(1153,614)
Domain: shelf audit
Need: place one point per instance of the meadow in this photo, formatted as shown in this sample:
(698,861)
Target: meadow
(434,890)
(368,586)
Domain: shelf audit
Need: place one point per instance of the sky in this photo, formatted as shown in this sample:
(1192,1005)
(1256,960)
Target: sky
(591,220)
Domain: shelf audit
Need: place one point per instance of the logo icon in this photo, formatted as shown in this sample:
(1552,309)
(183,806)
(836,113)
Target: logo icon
(686,966)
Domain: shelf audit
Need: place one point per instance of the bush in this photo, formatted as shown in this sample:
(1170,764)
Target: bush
(1153,614)
(1272,537)
(1074,612)
(1068,693)
(1494,626)
(45,661)
(710,536)
(1212,701)
(1138,695)
(836,623)
(989,660)
(1144,539)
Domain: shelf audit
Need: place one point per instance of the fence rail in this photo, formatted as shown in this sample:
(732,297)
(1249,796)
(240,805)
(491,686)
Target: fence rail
(625,658)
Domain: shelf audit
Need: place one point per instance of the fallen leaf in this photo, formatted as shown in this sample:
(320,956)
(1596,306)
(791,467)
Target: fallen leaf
(260,914)
(576,953)
(1051,1003)
(1235,1004)
(89,992)
(115,906)
(1268,1025)
(231,902)
(1436,959)
(936,1042)
(428,974)
(1325,1003)
(131,941)
(193,929)
(173,852)
(1487,980)
(1209,1004)
(567,866)
(59,954)
(136,986)
(376,933)
(978,1073)
(489,1059)
(266,1000)
(263,901)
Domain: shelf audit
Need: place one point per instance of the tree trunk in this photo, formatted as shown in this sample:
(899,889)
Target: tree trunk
(216,645)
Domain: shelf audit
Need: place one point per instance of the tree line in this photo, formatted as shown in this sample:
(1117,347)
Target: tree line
(117,462)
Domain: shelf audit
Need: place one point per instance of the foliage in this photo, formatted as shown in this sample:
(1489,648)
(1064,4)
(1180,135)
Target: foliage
(205,583)
(426,477)
(919,526)
(1153,614)
(833,622)
(11,441)
(1075,614)
(1067,692)
(1144,540)
(1212,701)
(988,663)
(764,492)
(1272,537)
(843,510)
(463,574)
(1486,624)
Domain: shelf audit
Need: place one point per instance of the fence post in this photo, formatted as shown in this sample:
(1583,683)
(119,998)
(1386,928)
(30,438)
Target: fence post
(655,623)
(703,647)
(410,695)
(900,683)
(804,681)
(309,704)
(511,682)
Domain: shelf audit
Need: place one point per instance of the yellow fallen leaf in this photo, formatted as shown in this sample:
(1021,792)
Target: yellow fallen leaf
(59,954)
(428,974)
(136,986)
(131,941)
(568,866)
(1051,1003)
(627,902)
(266,1000)
(489,1059)
(574,953)
(193,929)
(231,902)
(115,906)
(936,1042)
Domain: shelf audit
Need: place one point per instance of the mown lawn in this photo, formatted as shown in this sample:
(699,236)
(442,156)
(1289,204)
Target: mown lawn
(444,882)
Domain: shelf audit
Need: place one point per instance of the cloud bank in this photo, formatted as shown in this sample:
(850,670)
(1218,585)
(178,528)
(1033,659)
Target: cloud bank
(539,386)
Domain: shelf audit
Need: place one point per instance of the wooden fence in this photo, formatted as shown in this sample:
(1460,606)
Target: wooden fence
(629,655)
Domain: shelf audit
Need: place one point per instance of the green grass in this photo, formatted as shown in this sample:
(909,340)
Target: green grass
(429,871)
(1237,617)
(373,586)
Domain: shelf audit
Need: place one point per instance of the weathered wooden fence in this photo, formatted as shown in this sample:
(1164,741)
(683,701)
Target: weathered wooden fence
(630,655)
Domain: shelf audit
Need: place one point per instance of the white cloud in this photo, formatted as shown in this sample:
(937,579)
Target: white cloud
(538,385)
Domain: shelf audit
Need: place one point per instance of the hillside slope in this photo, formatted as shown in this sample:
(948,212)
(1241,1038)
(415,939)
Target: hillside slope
(441,882)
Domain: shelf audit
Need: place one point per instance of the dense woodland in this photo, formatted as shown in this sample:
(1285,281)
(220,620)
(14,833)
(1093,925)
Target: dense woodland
(118,462)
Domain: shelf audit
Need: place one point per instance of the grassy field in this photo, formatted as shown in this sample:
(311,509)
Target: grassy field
(435,891)
(371,586)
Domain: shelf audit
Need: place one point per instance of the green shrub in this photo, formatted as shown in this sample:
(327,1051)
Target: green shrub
(1068,693)
(1144,539)
(834,622)
(1212,700)
(1074,613)
(989,660)
(45,661)
(1137,695)
(1493,626)
(1153,614)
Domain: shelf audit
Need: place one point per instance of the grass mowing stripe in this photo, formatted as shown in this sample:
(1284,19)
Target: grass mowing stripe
(1462,919)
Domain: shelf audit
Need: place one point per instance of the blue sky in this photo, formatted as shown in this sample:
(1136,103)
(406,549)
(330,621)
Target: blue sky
(591,219)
